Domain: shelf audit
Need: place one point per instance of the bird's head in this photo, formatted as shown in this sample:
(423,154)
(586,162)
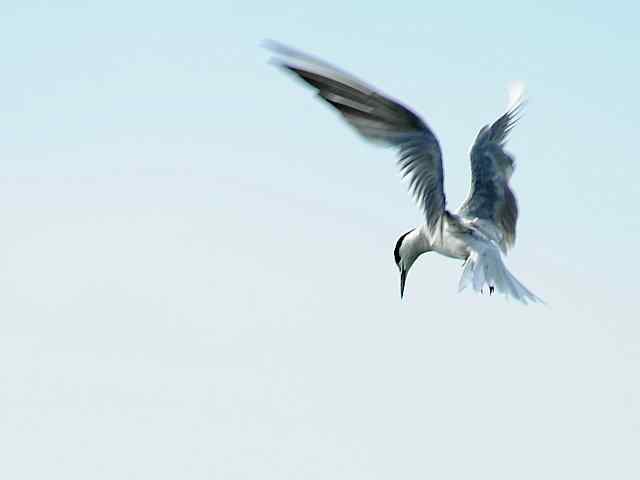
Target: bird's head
(405,254)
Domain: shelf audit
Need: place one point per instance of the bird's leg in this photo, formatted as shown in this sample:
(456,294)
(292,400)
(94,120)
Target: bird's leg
(491,289)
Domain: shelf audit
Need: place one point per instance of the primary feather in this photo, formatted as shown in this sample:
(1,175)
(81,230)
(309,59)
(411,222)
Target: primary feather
(379,119)
(490,197)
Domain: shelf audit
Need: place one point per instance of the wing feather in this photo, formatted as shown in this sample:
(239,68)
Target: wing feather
(490,197)
(378,119)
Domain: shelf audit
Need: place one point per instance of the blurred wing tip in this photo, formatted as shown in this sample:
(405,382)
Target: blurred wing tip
(275,46)
(517,94)
(292,55)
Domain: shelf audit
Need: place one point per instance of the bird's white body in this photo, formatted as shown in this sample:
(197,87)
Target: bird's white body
(477,243)
(484,227)
(450,239)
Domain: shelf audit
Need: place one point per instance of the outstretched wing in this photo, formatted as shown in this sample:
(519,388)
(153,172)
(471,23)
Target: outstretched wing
(378,119)
(490,197)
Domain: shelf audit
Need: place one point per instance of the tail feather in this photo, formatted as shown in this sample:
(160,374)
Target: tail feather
(484,267)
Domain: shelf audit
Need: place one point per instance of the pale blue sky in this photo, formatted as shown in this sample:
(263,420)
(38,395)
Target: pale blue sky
(197,268)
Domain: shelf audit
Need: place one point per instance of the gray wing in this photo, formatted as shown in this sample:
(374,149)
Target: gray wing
(490,197)
(378,119)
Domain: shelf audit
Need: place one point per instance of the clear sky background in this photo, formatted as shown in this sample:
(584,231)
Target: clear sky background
(196,259)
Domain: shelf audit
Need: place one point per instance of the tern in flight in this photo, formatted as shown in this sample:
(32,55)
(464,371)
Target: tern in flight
(484,227)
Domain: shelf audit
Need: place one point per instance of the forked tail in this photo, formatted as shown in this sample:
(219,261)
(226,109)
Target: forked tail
(484,270)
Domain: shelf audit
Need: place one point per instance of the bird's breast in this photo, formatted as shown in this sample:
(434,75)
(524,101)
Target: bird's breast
(451,243)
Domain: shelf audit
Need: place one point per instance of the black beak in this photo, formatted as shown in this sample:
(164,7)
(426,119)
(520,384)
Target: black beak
(403,279)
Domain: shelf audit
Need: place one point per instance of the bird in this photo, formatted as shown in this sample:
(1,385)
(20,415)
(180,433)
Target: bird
(483,229)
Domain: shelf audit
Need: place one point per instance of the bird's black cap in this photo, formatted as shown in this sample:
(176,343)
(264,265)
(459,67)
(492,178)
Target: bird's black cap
(396,251)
